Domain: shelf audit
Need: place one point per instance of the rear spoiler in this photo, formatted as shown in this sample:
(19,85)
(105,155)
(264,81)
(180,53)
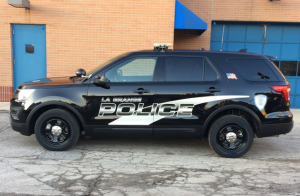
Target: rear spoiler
(271,57)
(268,56)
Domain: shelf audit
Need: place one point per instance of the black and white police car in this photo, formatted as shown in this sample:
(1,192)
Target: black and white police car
(229,97)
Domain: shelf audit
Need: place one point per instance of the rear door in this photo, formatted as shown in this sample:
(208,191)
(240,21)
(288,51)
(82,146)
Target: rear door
(189,89)
(124,109)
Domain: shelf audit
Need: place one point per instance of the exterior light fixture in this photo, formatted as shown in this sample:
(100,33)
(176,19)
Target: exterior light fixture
(19,3)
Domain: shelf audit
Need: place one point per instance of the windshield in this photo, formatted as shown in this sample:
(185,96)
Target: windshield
(105,63)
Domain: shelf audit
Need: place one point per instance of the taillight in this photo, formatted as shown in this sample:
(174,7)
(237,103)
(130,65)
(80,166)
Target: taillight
(284,90)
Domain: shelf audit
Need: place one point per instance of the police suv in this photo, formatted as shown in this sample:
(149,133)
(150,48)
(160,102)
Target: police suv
(229,97)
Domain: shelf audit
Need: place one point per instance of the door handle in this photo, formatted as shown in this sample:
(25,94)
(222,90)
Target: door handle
(141,91)
(212,90)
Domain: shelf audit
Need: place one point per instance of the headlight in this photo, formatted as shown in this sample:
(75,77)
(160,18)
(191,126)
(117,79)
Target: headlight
(24,94)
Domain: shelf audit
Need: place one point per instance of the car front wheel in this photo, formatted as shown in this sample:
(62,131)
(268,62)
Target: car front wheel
(230,136)
(57,130)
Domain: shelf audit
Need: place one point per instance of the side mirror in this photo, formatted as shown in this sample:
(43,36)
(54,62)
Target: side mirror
(80,72)
(101,81)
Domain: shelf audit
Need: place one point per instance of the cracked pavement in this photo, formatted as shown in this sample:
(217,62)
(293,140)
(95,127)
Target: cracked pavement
(147,167)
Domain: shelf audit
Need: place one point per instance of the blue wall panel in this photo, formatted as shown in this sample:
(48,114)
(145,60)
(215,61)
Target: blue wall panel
(274,33)
(293,83)
(254,33)
(215,46)
(237,32)
(216,32)
(291,33)
(231,46)
(218,46)
(296,103)
(254,47)
(295,91)
(272,49)
(281,40)
(290,51)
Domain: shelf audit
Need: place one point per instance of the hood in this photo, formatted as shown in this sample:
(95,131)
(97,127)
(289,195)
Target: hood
(57,81)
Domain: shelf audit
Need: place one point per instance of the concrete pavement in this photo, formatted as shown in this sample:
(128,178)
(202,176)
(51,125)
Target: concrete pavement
(147,167)
(4,106)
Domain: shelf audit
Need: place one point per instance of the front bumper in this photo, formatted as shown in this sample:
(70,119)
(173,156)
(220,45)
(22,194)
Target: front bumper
(20,127)
(268,130)
(18,118)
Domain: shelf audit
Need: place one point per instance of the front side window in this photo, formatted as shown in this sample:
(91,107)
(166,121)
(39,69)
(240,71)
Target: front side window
(140,69)
(184,69)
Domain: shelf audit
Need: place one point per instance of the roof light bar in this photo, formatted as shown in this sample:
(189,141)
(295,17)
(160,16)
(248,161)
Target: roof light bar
(161,47)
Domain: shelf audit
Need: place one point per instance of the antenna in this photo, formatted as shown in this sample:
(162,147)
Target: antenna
(243,50)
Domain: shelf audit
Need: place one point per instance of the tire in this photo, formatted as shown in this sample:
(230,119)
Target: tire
(57,130)
(230,136)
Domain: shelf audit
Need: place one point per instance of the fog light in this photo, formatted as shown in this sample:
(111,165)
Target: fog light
(15,117)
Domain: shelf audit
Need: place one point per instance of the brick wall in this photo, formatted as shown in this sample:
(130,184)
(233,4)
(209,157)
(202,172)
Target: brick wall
(234,10)
(85,33)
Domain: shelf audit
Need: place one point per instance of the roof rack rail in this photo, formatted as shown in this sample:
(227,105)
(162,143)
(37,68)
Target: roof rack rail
(243,50)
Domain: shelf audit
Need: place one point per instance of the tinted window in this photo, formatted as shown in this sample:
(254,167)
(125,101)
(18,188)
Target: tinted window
(249,69)
(184,69)
(210,74)
(133,70)
(288,68)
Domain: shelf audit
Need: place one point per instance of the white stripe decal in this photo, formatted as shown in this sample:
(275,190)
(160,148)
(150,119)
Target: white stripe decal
(147,120)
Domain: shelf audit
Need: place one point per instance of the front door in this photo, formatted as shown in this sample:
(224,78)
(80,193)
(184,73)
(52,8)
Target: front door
(124,108)
(29,53)
(188,91)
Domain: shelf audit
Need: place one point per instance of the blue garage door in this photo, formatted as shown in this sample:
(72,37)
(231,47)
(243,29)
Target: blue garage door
(276,39)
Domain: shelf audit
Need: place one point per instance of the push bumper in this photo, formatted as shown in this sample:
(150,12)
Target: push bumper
(275,129)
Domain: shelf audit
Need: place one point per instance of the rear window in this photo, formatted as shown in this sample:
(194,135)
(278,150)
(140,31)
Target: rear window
(249,69)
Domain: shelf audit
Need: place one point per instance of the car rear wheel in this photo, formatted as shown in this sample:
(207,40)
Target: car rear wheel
(230,136)
(57,130)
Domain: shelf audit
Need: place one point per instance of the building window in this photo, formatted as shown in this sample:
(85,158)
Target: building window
(29,48)
(288,68)
(276,63)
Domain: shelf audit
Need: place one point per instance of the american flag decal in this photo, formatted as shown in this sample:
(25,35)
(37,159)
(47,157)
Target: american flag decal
(231,76)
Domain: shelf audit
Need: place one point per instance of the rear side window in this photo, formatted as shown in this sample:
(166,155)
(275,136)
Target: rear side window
(210,74)
(249,69)
(184,69)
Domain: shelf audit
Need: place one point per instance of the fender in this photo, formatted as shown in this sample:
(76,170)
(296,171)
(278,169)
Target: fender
(212,115)
(77,114)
